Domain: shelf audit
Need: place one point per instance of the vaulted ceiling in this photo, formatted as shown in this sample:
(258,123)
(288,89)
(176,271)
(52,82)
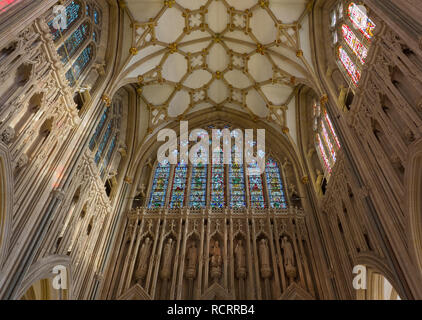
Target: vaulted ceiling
(249,55)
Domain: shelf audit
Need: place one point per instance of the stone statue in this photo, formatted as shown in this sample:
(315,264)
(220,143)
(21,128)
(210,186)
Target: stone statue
(289,260)
(166,257)
(141,272)
(192,259)
(240,258)
(216,261)
(288,252)
(264,254)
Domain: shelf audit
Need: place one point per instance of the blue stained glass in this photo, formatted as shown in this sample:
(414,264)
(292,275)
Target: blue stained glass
(110,152)
(96,17)
(257,199)
(236,183)
(103,144)
(73,13)
(159,186)
(177,199)
(237,186)
(74,42)
(94,36)
(198,193)
(98,130)
(218,186)
(275,186)
(79,66)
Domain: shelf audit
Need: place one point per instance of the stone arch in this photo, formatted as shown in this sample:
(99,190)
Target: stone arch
(6,201)
(42,271)
(413,178)
(378,266)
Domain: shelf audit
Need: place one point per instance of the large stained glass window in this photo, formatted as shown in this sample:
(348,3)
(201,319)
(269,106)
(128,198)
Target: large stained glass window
(73,13)
(79,66)
(159,186)
(178,192)
(256,190)
(326,139)
(357,31)
(198,193)
(349,65)
(277,198)
(361,21)
(74,42)
(354,43)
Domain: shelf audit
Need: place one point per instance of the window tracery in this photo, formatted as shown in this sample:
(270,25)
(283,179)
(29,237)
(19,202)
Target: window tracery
(76,43)
(357,31)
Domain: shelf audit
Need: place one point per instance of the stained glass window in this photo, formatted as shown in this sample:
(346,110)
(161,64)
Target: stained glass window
(348,64)
(159,186)
(361,21)
(218,186)
(74,42)
(96,17)
(79,66)
(354,43)
(277,198)
(73,13)
(329,144)
(110,152)
(103,144)
(322,154)
(330,125)
(178,193)
(7,4)
(98,130)
(198,193)
(256,190)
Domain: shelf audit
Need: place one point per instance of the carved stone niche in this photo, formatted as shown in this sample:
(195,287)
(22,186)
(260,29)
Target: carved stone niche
(216,258)
(143,260)
(191,266)
(166,267)
(240,266)
(265,266)
(289,261)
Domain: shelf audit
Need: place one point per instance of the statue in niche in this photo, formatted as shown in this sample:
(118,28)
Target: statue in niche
(167,259)
(216,261)
(289,258)
(240,258)
(142,269)
(192,259)
(264,254)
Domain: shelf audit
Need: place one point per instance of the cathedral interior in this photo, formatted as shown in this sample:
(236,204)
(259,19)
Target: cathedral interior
(86,88)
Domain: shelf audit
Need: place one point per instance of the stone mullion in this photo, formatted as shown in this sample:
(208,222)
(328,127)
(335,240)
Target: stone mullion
(183,240)
(188,187)
(279,257)
(133,230)
(134,255)
(152,260)
(170,186)
(343,265)
(157,259)
(178,255)
(247,190)
(150,185)
(300,237)
(256,262)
